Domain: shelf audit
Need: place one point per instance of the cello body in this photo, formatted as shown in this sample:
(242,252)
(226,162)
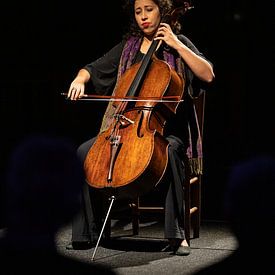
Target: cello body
(131,156)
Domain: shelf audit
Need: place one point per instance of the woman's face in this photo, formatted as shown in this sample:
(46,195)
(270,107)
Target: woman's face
(147,15)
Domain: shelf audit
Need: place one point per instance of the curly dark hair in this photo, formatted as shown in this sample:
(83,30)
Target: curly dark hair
(165,7)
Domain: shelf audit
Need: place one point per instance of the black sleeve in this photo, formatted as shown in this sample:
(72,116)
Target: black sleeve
(194,85)
(103,71)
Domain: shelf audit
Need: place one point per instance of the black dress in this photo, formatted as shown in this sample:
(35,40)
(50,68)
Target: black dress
(87,224)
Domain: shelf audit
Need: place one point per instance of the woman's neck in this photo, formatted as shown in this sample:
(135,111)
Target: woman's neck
(145,45)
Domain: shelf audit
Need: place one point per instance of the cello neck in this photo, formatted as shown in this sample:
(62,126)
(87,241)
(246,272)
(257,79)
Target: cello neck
(142,69)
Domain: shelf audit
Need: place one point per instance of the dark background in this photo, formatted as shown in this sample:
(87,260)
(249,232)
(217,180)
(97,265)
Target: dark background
(43,44)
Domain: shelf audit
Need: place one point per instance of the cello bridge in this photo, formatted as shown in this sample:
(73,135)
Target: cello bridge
(122,119)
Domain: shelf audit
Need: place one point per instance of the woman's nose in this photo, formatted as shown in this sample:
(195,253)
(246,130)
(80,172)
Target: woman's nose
(144,16)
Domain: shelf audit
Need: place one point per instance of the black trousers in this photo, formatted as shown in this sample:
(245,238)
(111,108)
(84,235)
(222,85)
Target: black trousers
(86,225)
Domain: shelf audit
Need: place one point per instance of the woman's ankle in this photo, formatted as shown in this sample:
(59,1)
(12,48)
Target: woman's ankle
(178,242)
(184,243)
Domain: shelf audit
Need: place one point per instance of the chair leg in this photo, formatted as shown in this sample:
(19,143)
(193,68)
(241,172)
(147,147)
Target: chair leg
(187,202)
(197,215)
(187,229)
(196,224)
(135,216)
(187,216)
(135,223)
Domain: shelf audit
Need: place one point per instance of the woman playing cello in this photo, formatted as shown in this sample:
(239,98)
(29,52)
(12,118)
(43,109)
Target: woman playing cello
(104,73)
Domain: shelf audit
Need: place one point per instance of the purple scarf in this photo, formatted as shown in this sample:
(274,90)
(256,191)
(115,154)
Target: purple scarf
(130,50)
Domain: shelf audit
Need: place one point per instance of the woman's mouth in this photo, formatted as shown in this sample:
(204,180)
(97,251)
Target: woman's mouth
(145,25)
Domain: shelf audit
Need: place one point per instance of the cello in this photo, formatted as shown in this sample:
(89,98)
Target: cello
(130,157)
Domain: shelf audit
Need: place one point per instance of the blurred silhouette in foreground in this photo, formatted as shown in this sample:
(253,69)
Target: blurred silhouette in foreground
(250,206)
(44,183)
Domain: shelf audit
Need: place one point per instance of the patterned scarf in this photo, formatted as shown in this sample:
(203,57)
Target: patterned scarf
(132,46)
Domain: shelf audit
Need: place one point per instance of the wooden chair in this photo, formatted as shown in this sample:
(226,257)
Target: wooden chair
(192,193)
